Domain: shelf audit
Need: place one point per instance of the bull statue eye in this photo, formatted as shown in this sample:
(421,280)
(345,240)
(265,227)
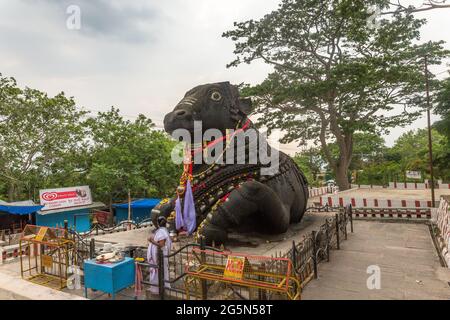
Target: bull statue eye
(216,96)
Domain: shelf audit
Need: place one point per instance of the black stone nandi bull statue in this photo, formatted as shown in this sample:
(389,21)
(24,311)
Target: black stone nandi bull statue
(235,197)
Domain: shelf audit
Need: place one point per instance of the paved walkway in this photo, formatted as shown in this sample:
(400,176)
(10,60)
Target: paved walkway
(13,287)
(405,254)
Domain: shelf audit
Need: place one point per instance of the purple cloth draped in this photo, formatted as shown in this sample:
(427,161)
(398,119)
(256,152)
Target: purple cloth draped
(189,209)
(186,219)
(179,222)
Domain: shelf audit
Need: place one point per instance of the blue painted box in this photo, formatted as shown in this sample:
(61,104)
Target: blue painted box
(109,278)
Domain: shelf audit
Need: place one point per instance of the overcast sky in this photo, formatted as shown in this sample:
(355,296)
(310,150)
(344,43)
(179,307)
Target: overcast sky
(140,56)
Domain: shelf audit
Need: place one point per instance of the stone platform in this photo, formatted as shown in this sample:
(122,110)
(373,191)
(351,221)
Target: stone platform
(255,244)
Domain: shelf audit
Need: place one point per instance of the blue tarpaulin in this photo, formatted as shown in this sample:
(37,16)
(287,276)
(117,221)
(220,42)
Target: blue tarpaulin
(21,210)
(139,204)
(140,210)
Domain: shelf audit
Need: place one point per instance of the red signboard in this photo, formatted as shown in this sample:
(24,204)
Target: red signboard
(53,199)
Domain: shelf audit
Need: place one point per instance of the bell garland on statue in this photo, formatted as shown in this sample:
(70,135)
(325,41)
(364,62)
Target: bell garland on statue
(184,214)
(185,176)
(215,199)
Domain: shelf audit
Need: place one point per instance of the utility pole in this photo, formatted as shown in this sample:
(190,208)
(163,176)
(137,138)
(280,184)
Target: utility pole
(129,209)
(430,146)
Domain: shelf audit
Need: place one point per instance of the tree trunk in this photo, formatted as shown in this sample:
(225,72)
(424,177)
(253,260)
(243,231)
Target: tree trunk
(341,172)
(11,192)
(345,143)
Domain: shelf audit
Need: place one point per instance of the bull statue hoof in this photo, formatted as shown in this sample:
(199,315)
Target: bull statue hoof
(234,195)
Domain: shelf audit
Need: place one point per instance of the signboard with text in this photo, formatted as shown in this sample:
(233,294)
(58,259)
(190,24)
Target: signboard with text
(47,261)
(41,234)
(60,198)
(413,175)
(235,266)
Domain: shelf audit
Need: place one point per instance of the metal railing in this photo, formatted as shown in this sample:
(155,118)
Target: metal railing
(10,237)
(305,255)
(315,247)
(174,287)
(98,228)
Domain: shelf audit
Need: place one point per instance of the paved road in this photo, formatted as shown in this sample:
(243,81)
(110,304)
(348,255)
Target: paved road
(405,254)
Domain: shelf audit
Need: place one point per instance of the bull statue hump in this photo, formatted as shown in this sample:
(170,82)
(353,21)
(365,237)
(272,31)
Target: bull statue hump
(236,196)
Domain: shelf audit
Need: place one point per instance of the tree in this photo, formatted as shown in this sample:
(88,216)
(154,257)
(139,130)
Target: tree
(410,151)
(311,163)
(35,130)
(47,142)
(443,108)
(130,157)
(443,127)
(368,148)
(333,75)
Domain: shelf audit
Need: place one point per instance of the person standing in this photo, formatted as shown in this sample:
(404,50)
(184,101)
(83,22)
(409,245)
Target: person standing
(159,238)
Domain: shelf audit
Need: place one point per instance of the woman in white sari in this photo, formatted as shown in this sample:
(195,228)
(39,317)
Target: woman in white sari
(160,238)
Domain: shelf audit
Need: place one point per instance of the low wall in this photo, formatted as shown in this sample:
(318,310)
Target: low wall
(408,185)
(340,201)
(393,213)
(316,192)
(443,224)
(403,185)
(12,252)
(394,185)
(366,186)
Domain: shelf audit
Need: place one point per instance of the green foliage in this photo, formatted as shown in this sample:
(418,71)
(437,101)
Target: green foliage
(311,163)
(409,153)
(443,126)
(367,148)
(443,108)
(46,142)
(35,130)
(129,155)
(375,163)
(333,75)
(412,151)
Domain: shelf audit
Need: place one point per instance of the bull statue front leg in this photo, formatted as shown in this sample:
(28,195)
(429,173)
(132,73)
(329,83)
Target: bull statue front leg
(251,200)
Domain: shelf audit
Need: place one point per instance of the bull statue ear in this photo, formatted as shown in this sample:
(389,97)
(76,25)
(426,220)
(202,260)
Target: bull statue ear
(245,105)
